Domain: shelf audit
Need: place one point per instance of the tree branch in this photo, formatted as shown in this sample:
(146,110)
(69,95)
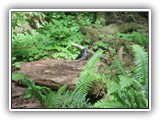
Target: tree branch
(90,51)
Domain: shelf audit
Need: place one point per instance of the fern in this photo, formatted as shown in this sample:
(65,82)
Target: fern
(130,92)
(37,92)
(118,68)
(109,104)
(112,87)
(125,81)
(141,60)
(88,75)
(119,65)
(62,90)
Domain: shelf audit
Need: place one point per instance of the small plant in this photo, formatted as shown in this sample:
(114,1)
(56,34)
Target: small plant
(37,92)
(99,21)
(136,37)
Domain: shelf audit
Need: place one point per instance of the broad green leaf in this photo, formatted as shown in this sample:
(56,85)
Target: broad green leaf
(17,76)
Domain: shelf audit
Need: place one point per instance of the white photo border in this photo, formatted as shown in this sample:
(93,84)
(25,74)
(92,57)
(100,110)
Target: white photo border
(77,10)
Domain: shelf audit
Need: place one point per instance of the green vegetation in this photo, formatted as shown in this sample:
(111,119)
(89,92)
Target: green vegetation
(44,35)
(50,39)
(136,37)
(129,91)
(64,98)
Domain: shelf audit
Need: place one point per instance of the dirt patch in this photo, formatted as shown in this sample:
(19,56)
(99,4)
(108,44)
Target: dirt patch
(18,100)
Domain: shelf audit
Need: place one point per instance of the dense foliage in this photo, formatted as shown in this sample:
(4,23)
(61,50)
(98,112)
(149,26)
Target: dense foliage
(48,35)
(43,35)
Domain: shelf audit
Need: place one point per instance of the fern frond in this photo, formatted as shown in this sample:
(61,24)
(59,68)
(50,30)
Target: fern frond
(61,90)
(125,81)
(37,91)
(79,101)
(141,100)
(109,104)
(119,65)
(112,87)
(137,85)
(87,75)
(141,60)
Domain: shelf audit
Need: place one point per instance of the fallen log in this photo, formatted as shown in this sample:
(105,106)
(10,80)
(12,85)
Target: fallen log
(53,73)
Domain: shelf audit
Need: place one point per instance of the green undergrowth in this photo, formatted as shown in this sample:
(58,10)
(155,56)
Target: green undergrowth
(43,35)
(136,37)
(125,88)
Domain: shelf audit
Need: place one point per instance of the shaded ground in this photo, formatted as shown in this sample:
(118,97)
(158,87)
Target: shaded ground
(18,100)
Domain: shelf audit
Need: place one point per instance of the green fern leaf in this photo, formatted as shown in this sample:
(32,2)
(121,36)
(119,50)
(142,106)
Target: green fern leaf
(141,60)
(87,75)
(125,81)
(61,90)
(36,91)
(119,65)
(109,104)
(112,87)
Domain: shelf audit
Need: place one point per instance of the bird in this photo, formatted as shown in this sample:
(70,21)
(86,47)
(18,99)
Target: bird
(83,55)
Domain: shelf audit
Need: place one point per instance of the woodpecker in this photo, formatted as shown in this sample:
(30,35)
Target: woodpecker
(83,55)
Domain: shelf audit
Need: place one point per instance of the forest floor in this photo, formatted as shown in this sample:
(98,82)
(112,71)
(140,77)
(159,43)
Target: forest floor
(18,100)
